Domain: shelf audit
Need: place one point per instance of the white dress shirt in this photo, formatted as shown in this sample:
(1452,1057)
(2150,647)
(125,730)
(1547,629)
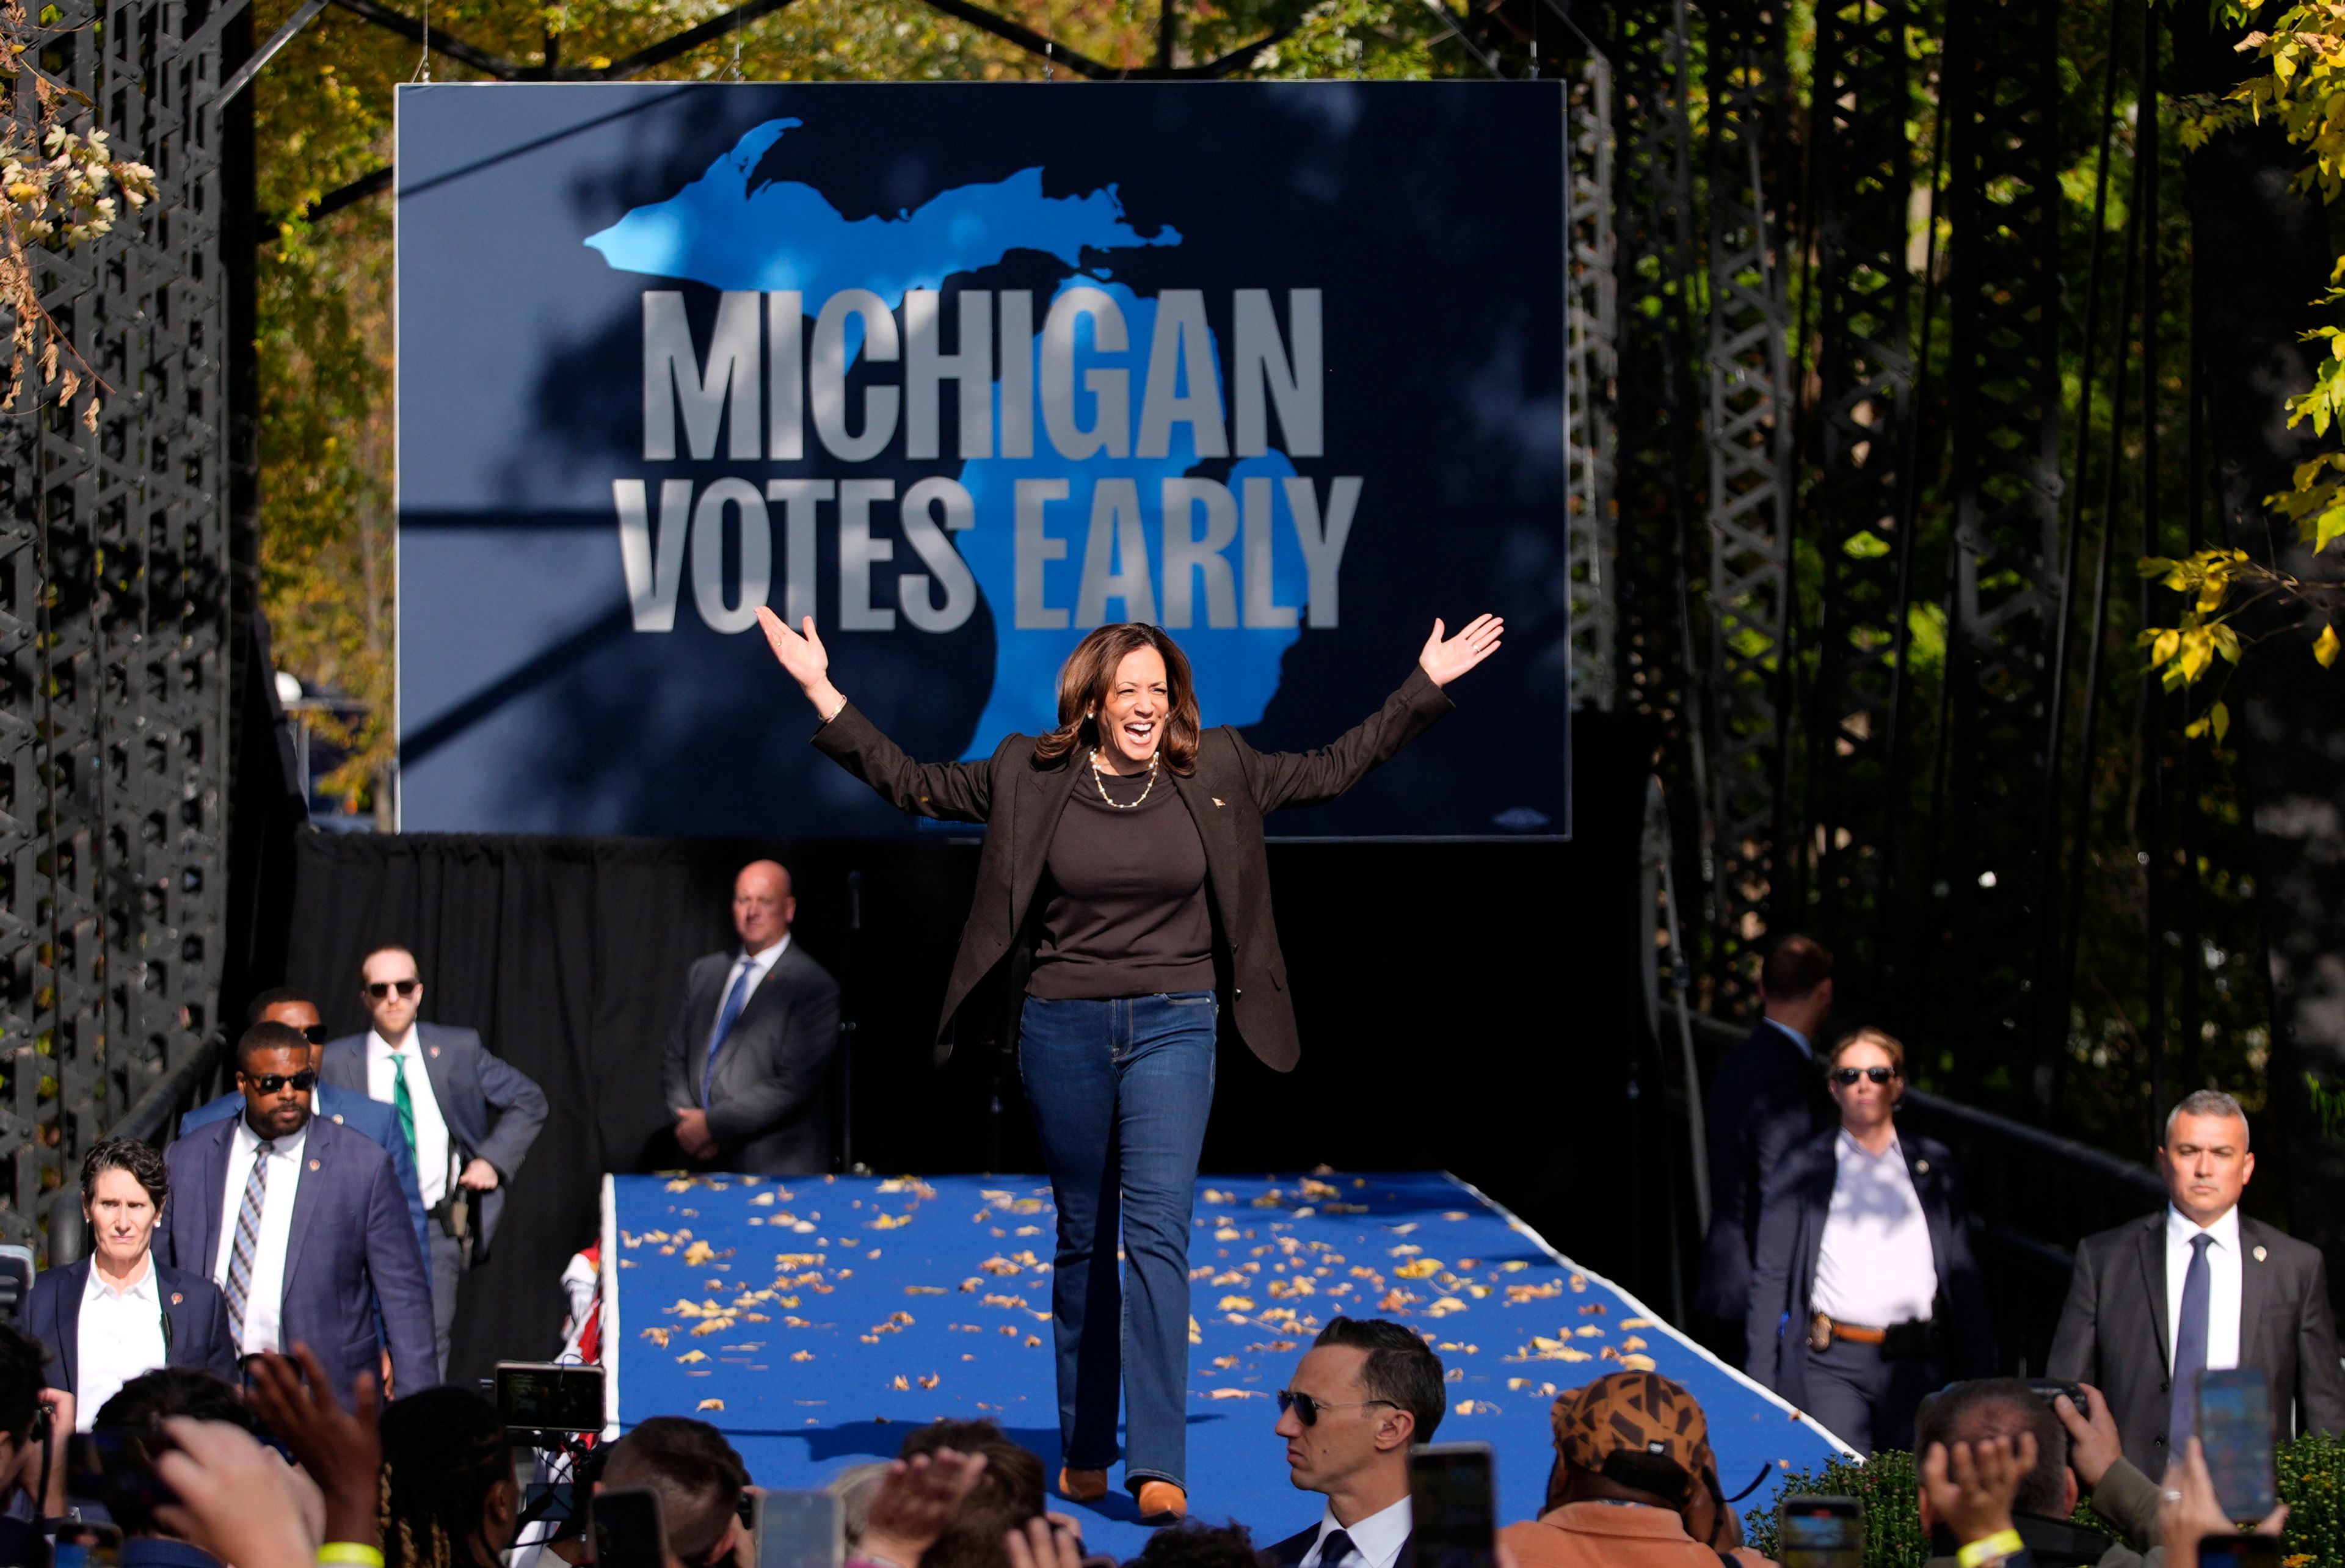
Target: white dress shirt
(759,964)
(1875,1268)
(264,1300)
(2223,1266)
(1807,1047)
(431,1127)
(1377,1540)
(121,1336)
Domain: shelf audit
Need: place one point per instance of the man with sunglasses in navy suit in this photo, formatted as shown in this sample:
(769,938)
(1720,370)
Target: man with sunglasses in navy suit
(300,1225)
(469,1115)
(1365,1391)
(340,1106)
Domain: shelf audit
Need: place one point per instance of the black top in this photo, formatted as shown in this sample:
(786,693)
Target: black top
(1020,800)
(1123,893)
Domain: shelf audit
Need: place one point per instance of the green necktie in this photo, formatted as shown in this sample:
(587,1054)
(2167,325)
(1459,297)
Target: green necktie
(401,1100)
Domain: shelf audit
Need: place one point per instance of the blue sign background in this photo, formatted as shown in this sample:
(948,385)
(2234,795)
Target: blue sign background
(559,673)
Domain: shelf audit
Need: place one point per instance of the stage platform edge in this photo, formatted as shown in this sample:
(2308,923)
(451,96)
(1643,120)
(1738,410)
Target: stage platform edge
(928,1297)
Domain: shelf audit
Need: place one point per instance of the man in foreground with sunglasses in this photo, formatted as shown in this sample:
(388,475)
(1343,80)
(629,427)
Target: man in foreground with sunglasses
(301,1225)
(1866,1295)
(1365,1391)
(468,1115)
(333,1103)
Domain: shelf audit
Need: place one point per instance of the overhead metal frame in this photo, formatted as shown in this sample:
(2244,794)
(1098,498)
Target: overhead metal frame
(118,576)
(2004,97)
(1863,182)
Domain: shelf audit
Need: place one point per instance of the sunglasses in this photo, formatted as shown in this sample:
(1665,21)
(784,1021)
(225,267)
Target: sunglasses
(1846,1076)
(1309,1408)
(381,988)
(274,1082)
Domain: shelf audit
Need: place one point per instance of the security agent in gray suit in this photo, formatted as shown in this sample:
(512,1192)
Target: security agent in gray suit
(745,1064)
(469,1115)
(2155,1301)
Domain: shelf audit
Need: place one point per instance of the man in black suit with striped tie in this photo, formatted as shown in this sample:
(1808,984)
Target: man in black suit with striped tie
(1362,1394)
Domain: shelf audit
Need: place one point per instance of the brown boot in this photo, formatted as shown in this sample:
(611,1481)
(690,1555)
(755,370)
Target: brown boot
(1161,1501)
(1082,1486)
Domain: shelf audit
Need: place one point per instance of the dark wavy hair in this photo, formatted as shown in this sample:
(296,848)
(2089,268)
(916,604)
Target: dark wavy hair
(1088,675)
(145,1168)
(443,1451)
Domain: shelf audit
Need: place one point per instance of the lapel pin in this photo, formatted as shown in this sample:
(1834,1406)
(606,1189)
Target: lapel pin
(1921,1167)
(1217,800)
(176,1298)
(2259,1254)
(337,1121)
(314,1165)
(435,1050)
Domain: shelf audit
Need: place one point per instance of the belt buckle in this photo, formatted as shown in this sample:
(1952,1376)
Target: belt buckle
(1820,1332)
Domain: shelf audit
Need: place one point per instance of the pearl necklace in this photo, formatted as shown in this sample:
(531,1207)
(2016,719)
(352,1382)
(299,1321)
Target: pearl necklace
(1099,783)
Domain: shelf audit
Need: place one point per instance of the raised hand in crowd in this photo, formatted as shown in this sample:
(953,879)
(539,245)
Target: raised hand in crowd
(2188,1512)
(1970,1485)
(341,1450)
(237,1500)
(2094,1444)
(915,1503)
(1044,1542)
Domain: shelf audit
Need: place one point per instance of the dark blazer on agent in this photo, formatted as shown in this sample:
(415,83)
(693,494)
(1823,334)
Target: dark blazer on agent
(2114,1333)
(358,1113)
(1769,1098)
(765,1107)
(1791,1237)
(195,1321)
(1286,1553)
(1232,788)
(351,1249)
(493,1109)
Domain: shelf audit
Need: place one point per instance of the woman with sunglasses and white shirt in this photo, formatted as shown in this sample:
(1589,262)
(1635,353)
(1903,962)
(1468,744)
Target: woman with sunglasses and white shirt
(1866,1295)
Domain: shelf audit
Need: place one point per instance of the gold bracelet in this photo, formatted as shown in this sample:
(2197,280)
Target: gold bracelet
(350,1551)
(1992,1548)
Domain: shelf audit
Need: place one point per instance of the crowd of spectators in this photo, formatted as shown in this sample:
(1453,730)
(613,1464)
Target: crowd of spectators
(282,1473)
(258,1415)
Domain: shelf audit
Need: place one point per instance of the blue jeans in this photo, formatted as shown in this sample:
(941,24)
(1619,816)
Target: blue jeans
(1120,1090)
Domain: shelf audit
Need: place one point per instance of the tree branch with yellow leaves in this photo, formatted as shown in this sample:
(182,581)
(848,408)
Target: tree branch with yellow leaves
(2302,89)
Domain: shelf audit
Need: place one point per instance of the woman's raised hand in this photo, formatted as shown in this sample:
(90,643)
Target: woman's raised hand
(803,655)
(1444,659)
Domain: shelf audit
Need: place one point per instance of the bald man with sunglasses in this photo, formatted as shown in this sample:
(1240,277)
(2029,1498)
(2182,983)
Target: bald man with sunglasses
(468,1115)
(1364,1392)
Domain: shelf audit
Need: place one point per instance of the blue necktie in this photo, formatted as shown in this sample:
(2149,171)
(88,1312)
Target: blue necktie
(2189,1348)
(1333,1547)
(734,1000)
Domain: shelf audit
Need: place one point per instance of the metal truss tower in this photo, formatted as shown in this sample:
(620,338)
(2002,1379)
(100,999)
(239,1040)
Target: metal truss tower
(1749,428)
(116,584)
(2003,91)
(1657,418)
(1864,181)
(1591,362)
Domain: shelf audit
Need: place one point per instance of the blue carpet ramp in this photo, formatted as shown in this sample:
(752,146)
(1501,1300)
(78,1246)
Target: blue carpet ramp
(816,1320)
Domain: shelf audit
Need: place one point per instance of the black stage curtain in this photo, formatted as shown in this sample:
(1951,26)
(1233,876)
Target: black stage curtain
(1472,1007)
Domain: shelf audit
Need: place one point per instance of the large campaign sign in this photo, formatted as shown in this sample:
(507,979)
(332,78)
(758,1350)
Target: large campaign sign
(963,372)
